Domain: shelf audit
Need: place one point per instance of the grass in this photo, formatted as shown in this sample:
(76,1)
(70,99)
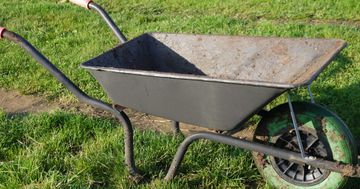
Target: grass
(38,150)
(62,150)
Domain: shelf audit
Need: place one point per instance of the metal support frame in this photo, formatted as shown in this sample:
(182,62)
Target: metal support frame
(345,169)
(83,97)
(128,141)
(176,127)
(295,125)
(311,94)
(348,170)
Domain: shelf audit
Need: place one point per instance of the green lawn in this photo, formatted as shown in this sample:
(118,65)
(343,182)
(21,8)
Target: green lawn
(64,150)
(74,151)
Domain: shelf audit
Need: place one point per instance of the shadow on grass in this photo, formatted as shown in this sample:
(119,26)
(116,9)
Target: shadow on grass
(345,102)
(205,165)
(339,63)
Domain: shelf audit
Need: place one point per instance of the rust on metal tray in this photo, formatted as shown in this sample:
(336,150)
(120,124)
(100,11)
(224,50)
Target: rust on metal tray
(264,59)
(178,76)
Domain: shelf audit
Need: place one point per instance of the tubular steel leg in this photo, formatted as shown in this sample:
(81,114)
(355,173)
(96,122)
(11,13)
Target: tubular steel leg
(83,97)
(176,127)
(179,156)
(346,169)
(298,137)
(129,142)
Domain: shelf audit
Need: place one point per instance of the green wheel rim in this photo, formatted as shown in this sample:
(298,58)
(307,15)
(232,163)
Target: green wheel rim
(325,124)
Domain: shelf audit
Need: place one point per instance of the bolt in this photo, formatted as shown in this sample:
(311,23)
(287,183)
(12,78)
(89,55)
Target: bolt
(310,158)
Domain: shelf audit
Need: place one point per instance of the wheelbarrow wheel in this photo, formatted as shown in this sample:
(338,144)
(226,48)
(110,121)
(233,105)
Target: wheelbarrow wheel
(323,134)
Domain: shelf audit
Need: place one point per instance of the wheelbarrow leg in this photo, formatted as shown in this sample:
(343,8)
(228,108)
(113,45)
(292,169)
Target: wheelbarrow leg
(83,97)
(345,169)
(129,143)
(176,127)
(179,156)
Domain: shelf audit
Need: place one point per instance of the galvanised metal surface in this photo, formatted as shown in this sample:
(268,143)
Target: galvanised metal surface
(214,105)
(211,81)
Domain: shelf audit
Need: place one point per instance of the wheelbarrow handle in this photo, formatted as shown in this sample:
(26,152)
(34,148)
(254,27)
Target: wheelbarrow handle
(82,96)
(89,4)
(82,3)
(2,30)
(29,48)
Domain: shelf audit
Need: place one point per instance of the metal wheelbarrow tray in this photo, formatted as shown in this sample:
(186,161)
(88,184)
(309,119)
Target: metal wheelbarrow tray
(216,82)
(219,82)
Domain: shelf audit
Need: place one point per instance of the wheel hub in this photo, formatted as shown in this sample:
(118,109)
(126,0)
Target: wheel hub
(300,174)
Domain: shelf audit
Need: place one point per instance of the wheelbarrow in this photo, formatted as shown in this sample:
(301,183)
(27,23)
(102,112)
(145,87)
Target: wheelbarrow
(220,82)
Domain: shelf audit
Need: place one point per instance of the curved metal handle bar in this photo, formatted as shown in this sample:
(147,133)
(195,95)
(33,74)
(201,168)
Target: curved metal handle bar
(120,115)
(89,4)
(108,20)
(55,71)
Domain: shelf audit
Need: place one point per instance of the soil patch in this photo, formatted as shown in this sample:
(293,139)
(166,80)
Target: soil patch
(14,103)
